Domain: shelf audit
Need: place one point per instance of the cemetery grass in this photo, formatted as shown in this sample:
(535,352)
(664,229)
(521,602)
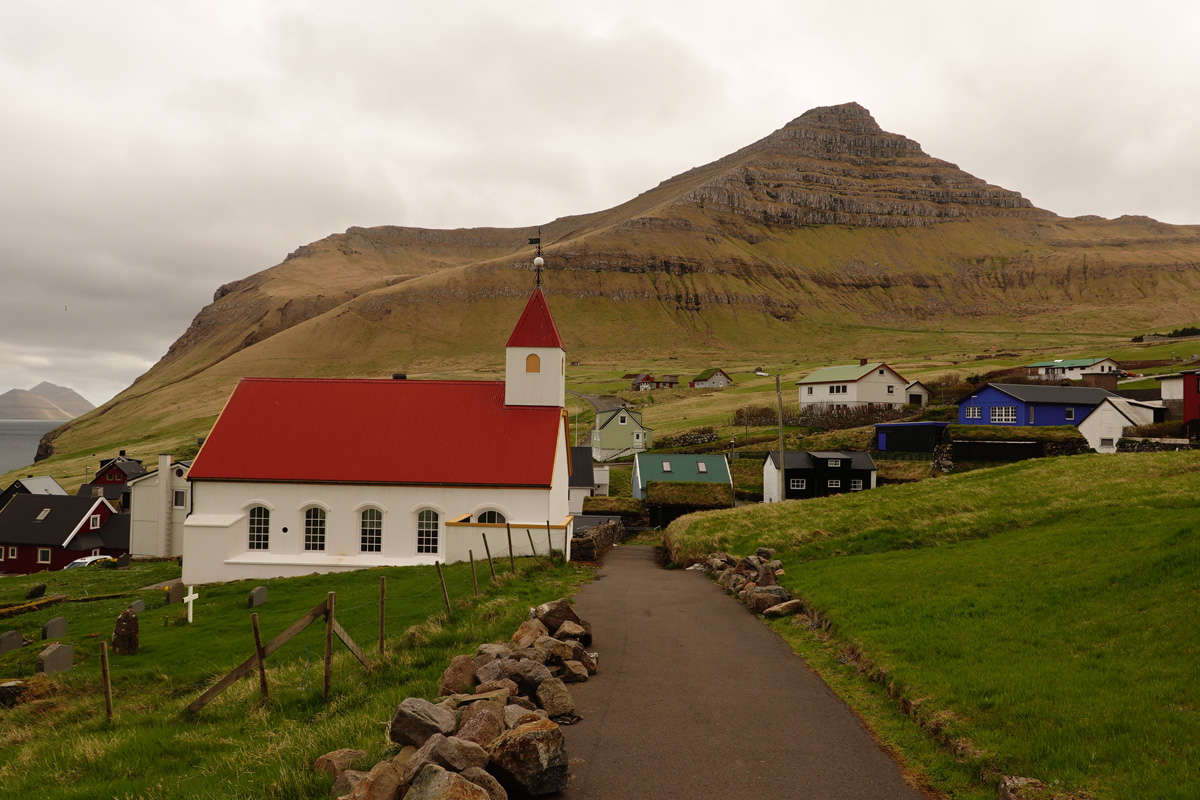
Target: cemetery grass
(1039,617)
(59,745)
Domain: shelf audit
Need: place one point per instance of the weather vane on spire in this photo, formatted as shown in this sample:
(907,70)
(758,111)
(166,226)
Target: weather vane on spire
(538,261)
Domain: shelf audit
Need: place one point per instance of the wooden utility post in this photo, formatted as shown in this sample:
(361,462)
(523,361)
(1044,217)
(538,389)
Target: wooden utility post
(779,400)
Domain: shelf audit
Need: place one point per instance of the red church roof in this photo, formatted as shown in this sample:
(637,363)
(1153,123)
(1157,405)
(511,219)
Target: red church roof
(448,433)
(536,327)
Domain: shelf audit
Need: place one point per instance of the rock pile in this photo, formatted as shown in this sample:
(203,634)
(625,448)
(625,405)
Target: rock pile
(496,728)
(752,581)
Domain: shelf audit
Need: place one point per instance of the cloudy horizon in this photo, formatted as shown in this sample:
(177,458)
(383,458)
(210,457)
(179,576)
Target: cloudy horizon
(155,152)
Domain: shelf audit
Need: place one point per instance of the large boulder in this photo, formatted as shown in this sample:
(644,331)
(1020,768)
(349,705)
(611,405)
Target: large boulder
(765,553)
(555,613)
(558,651)
(766,576)
(417,719)
(383,782)
(482,723)
(763,597)
(338,761)
(449,752)
(555,698)
(516,716)
(484,779)
(459,677)
(573,672)
(435,783)
(500,683)
(531,758)
(490,652)
(570,630)
(528,675)
(347,781)
(785,609)
(528,633)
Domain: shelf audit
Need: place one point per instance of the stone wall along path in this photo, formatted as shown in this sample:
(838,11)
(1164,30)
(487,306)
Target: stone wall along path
(701,699)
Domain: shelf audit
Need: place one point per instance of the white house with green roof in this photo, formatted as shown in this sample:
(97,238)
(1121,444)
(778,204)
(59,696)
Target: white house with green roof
(860,384)
(678,468)
(1070,369)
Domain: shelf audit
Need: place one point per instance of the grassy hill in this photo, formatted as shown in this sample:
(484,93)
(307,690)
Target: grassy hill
(1038,618)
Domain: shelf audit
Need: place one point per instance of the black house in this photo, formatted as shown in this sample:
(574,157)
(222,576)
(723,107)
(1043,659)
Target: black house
(909,437)
(817,474)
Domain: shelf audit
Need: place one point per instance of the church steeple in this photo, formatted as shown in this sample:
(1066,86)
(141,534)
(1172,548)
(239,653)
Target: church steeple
(535,361)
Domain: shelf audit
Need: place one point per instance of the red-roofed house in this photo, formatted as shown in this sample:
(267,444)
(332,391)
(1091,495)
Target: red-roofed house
(318,475)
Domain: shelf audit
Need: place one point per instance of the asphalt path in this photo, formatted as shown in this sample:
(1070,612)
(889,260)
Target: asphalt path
(696,697)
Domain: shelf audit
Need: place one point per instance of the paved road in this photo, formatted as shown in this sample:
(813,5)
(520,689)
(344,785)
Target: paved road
(601,404)
(697,698)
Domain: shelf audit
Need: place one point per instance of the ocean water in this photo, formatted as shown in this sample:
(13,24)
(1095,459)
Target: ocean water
(19,440)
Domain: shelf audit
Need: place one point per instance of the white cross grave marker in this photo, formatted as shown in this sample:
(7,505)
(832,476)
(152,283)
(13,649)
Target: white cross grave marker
(188,598)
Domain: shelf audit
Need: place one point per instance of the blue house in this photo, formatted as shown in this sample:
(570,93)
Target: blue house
(1017,404)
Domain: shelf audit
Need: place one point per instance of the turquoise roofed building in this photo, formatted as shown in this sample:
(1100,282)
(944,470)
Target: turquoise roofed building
(678,468)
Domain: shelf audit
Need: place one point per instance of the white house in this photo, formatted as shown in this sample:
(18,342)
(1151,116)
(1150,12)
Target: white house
(1070,368)
(862,385)
(1107,422)
(305,475)
(158,509)
(714,378)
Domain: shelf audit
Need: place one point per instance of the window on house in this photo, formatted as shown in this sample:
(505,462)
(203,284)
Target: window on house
(702,467)
(260,528)
(43,555)
(371,531)
(1003,414)
(637,437)
(533,363)
(427,532)
(95,551)
(12,552)
(621,420)
(314,529)
(94,524)
(835,462)
(891,389)
(796,483)
(1031,414)
(974,412)
(492,517)
(810,389)
(180,500)
(856,486)
(45,513)
(1070,414)
(834,484)
(1106,442)
(666,466)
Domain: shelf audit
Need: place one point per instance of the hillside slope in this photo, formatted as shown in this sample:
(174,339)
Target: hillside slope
(829,224)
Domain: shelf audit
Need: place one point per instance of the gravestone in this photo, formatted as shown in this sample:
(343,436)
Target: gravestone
(175,594)
(137,606)
(125,634)
(123,561)
(258,596)
(11,693)
(57,657)
(55,628)
(11,640)
(36,592)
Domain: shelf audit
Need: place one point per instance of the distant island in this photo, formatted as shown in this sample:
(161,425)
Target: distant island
(44,401)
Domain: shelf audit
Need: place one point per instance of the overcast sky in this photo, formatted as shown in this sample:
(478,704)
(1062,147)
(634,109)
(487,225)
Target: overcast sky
(151,151)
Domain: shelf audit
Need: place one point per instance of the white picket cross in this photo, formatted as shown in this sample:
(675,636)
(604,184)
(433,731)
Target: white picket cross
(188,598)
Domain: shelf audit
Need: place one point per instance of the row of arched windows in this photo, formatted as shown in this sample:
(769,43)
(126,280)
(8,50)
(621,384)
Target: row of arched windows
(370,530)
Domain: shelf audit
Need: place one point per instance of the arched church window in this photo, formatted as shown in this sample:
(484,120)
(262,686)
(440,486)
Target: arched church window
(533,363)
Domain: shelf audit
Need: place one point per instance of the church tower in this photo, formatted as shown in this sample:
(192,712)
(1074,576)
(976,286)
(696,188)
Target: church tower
(535,362)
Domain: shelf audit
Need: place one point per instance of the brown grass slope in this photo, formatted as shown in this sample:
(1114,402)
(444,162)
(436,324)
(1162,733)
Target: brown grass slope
(825,233)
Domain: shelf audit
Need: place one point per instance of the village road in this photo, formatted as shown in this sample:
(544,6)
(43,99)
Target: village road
(695,697)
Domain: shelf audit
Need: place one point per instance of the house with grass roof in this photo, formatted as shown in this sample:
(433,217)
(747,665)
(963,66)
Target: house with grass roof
(307,475)
(714,378)
(865,384)
(678,468)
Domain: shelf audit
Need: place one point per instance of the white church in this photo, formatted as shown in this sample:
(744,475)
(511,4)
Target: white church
(321,475)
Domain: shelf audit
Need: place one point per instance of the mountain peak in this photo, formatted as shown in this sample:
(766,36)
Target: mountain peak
(847,117)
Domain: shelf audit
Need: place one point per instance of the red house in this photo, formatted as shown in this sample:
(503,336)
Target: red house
(1191,402)
(47,532)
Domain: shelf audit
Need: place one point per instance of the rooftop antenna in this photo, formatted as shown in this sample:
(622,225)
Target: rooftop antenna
(538,261)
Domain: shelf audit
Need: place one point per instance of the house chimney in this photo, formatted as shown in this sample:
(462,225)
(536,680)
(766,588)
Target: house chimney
(862,362)
(122,453)
(399,376)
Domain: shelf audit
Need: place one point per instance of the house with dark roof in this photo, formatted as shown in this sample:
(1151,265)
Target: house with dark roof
(47,532)
(817,474)
(618,432)
(112,480)
(583,480)
(678,468)
(865,384)
(323,475)
(714,378)
(43,484)
(1024,405)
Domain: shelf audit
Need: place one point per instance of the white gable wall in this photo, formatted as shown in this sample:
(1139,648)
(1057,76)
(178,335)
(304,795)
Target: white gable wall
(1106,423)
(871,388)
(155,524)
(770,482)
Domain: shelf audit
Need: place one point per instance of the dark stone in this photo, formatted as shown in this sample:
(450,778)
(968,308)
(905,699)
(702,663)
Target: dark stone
(766,576)
(574,672)
(125,634)
(765,553)
(56,658)
(531,758)
(175,593)
(123,561)
(258,596)
(555,698)
(11,693)
(763,597)
(55,628)
(556,612)
(36,592)
(137,606)
(11,640)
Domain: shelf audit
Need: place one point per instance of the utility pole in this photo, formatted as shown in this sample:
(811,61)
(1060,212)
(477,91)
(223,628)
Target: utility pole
(779,401)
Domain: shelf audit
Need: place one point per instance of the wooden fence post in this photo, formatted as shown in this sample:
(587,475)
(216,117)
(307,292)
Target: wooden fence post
(262,657)
(382,609)
(330,601)
(474,580)
(445,594)
(108,709)
(549,543)
(531,545)
(488,550)
(512,564)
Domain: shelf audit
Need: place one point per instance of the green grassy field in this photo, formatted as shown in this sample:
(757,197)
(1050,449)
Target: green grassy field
(59,745)
(1040,616)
